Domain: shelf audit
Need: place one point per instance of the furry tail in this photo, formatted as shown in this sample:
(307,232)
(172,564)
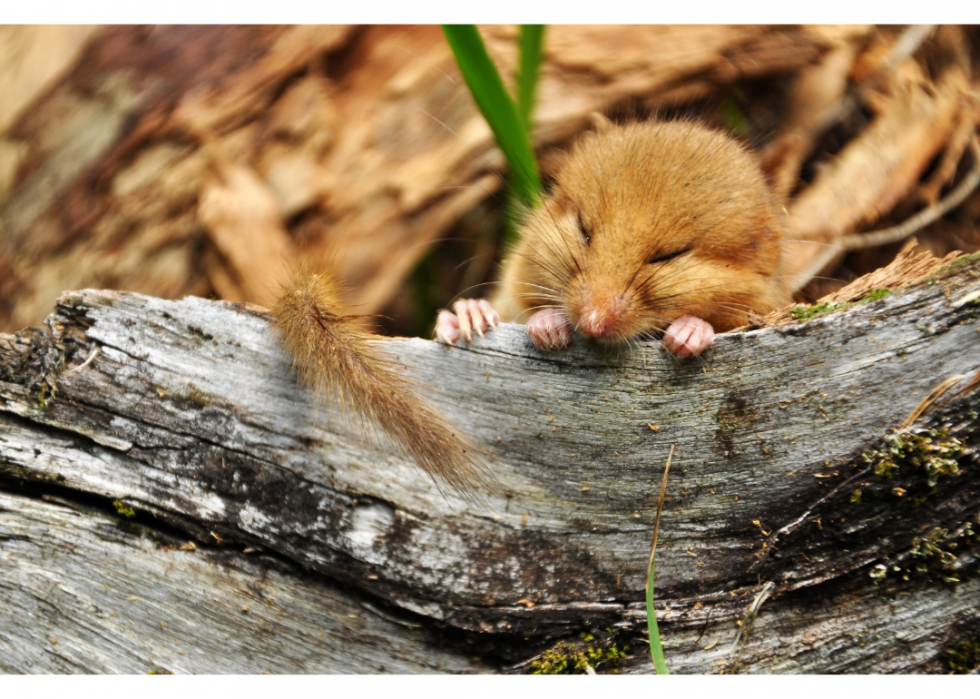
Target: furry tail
(334,356)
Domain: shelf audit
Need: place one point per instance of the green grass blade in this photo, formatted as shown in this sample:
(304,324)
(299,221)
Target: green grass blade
(532,36)
(526,81)
(656,648)
(498,108)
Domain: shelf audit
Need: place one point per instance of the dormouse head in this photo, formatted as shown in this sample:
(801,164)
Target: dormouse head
(651,221)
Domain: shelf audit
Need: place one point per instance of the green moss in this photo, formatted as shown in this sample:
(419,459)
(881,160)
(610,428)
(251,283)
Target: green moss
(922,460)
(875,295)
(964,657)
(933,555)
(803,313)
(553,661)
(959,262)
(934,452)
(928,548)
(122,509)
(573,658)
(44,399)
(856,497)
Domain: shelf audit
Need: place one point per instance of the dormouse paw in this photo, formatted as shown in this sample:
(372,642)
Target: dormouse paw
(549,329)
(467,315)
(688,336)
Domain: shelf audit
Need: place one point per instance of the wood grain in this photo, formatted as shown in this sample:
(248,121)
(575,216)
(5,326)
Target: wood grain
(189,415)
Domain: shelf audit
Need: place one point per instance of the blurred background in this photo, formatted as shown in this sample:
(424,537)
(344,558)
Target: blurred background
(210,161)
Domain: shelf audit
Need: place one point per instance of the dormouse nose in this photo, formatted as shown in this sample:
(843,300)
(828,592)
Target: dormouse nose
(601,314)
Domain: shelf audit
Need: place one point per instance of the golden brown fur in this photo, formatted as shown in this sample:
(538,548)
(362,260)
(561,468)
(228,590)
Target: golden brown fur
(646,223)
(335,357)
(627,198)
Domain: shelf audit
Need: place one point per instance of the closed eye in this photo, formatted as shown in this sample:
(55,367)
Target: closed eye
(585,231)
(667,258)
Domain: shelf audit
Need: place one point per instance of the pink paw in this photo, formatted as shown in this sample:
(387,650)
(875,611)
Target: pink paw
(549,329)
(468,315)
(688,336)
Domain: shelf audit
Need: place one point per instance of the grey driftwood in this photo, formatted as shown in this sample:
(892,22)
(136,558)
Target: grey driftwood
(272,535)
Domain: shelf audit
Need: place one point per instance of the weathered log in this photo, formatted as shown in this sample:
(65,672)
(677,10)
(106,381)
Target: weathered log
(185,411)
(82,592)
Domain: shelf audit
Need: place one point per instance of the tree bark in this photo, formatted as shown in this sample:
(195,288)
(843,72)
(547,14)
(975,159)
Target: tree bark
(271,535)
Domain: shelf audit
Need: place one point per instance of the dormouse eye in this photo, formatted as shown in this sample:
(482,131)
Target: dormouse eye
(586,233)
(667,258)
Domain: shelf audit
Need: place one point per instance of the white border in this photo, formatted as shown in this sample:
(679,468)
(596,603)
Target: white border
(495,11)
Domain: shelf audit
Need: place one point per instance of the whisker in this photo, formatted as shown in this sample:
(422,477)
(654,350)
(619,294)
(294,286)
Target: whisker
(467,290)
(543,287)
(470,259)
(556,299)
(556,272)
(533,309)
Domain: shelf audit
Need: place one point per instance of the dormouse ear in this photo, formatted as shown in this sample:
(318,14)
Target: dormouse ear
(600,122)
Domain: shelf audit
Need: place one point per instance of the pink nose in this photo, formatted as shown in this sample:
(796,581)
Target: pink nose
(598,322)
(593,324)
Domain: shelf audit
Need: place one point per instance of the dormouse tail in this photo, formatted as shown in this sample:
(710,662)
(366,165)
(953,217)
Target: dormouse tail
(334,356)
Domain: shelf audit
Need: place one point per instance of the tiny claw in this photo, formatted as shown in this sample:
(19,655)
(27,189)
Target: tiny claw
(447,328)
(480,322)
(493,320)
(462,313)
(472,311)
(468,316)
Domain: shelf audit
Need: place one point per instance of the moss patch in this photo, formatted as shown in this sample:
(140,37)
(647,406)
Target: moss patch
(804,313)
(934,452)
(923,463)
(926,549)
(964,657)
(933,556)
(875,295)
(122,509)
(42,402)
(573,658)
(958,262)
